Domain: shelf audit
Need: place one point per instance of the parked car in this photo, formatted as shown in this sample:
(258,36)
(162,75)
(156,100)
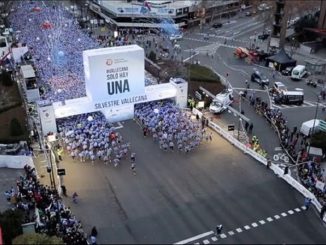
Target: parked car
(173,37)
(259,78)
(279,87)
(287,71)
(299,72)
(217,25)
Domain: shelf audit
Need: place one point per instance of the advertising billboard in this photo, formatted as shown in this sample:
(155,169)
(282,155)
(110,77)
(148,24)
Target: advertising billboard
(47,117)
(115,76)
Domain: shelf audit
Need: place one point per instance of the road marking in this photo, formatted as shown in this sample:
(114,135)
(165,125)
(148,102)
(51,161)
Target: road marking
(186,59)
(206,242)
(290,212)
(195,237)
(247,227)
(223,236)
(214,238)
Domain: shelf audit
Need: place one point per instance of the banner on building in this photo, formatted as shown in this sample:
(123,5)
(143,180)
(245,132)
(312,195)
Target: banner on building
(47,117)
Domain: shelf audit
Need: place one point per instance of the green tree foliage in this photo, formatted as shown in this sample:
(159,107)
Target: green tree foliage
(15,128)
(37,239)
(308,21)
(319,140)
(202,73)
(6,79)
(11,221)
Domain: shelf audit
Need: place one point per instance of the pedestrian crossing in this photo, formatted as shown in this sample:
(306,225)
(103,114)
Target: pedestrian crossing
(282,106)
(223,38)
(209,42)
(211,237)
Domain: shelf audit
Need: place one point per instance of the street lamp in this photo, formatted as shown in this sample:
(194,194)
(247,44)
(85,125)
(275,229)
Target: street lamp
(50,169)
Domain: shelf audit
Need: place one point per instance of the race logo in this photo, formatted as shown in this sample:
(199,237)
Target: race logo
(109,62)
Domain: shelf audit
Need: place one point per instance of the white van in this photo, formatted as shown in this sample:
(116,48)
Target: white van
(221,101)
(298,72)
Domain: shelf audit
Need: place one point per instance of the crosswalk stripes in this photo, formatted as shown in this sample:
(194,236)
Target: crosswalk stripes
(210,42)
(282,106)
(211,237)
(218,37)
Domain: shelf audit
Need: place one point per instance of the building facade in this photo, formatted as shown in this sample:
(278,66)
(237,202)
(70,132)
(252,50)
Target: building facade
(151,13)
(322,16)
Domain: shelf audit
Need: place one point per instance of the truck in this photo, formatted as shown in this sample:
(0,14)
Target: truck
(221,101)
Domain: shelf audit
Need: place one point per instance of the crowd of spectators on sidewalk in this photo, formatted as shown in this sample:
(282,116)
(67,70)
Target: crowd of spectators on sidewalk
(296,145)
(171,127)
(43,205)
(89,137)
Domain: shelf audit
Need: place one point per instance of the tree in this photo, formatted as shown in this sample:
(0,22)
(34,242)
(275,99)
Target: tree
(11,221)
(15,128)
(6,79)
(318,140)
(152,56)
(37,238)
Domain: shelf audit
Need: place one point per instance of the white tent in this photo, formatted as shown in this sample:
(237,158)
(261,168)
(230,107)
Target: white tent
(307,127)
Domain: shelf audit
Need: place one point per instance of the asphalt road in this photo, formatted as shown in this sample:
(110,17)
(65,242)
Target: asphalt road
(222,60)
(175,196)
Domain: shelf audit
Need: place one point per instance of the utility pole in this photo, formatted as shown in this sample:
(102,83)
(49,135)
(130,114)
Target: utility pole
(240,119)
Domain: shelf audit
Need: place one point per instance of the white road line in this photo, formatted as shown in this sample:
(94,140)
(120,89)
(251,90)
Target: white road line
(195,237)
(214,238)
(277,216)
(290,212)
(247,227)
(223,236)
(238,230)
(186,59)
